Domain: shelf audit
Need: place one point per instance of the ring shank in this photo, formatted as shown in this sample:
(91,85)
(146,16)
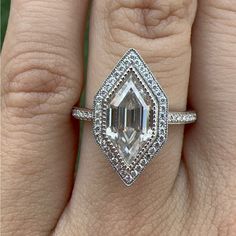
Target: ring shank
(174,118)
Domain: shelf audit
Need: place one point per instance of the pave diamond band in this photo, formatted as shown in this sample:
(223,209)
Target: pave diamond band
(183,117)
(83,113)
(131,116)
(174,118)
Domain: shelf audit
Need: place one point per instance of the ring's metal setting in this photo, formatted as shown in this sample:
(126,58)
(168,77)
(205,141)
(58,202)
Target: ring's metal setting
(130,116)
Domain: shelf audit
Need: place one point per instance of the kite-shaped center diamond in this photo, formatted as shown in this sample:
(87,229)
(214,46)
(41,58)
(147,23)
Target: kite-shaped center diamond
(129,118)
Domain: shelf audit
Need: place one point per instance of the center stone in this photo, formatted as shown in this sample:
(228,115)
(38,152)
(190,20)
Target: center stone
(129,118)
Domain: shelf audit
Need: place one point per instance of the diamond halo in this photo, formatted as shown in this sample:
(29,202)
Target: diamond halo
(130,117)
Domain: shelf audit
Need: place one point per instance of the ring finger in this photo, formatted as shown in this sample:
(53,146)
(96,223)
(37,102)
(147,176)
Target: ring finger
(160,31)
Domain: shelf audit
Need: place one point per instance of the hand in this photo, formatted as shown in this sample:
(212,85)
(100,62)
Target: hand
(189,189)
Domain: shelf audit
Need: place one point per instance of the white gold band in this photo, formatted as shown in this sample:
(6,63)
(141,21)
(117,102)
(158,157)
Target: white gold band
(174,118)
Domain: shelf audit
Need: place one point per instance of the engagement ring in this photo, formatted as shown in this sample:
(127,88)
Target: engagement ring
(131,117)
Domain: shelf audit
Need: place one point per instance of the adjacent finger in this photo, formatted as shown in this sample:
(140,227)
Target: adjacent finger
(41,80)
(210,146)
(160,31)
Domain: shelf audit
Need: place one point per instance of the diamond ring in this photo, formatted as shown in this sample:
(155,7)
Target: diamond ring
(131,117)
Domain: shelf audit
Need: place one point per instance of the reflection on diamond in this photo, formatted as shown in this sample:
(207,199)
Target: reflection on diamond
(128,118)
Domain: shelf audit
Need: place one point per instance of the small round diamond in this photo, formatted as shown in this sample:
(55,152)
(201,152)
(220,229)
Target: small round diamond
(133,173)
(123,173)
(152,150)
(161,138)
(126,62)
(128,178)
(143,162)
(147,157)
(138,168)
(157,145)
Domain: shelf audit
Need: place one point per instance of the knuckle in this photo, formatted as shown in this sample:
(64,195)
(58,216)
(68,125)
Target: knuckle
(33,79)
(40,64)
(148,19)
(160,30)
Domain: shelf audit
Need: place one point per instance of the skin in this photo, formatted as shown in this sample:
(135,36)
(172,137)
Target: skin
(189,189)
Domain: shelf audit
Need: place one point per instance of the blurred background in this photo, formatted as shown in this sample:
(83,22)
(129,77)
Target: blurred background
(5,5)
